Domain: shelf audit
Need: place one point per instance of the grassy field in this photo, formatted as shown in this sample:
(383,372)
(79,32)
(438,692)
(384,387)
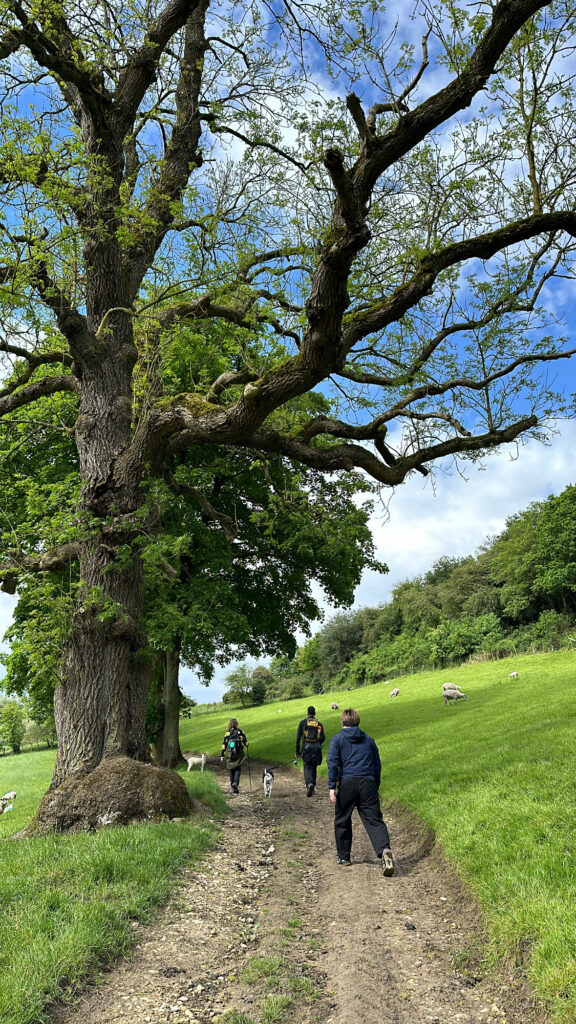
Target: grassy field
(68,901)
(494,776)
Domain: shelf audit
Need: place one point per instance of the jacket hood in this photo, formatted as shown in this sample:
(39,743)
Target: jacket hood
(354,733)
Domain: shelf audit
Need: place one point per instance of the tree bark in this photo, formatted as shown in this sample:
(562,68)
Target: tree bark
(167,740)
(100,705)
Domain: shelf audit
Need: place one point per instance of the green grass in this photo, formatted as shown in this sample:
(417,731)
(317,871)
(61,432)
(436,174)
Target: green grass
(274,1009)
(237,1017)
(305,988)
(269,967)
(494,776)
(68,900)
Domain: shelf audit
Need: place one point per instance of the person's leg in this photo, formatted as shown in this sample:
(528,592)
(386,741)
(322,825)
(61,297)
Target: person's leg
(371,815)
(309,776)
(345,804)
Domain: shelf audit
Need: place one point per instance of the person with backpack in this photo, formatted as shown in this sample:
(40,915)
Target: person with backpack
(233,751)
(309,740)
(353,780)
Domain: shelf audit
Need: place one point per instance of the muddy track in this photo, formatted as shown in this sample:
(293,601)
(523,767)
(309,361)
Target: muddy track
(269,929)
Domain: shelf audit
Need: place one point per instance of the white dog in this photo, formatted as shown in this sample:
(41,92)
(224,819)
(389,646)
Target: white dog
(267,781)
(196,759)
(9,796)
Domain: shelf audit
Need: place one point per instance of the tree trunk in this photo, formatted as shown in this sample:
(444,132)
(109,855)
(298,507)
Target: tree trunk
(100,705)
(167,740)
(100,712)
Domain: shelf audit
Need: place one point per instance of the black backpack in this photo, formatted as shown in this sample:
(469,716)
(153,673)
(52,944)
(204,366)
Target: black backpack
(312,730)
(235,747)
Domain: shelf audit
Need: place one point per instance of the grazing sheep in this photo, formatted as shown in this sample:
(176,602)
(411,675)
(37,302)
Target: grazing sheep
(335,707)
(394,693)
(196,759)
(450,686)
(453,695)
(512,675)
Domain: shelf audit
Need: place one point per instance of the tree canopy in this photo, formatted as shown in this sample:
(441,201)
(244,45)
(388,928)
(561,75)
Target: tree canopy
(516,594)
(320,208)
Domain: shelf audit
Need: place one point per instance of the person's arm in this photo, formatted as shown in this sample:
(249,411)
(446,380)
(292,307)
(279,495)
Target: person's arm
(322,735)
(224,745)
(333,761)
(377,763)
(299,738)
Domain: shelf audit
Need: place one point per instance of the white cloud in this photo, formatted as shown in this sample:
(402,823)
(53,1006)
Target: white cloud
(452,518)
(455,516)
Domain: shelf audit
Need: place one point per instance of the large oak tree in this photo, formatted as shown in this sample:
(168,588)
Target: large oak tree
(170,167)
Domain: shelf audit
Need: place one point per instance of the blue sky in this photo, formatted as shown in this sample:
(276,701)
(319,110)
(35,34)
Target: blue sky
(451,515)
(426,519)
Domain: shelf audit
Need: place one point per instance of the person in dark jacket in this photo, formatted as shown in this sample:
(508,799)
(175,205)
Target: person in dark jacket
(233,752)
(309,740)
(353,780)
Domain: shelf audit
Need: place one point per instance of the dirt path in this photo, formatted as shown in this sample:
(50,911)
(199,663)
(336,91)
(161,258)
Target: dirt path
(270,930)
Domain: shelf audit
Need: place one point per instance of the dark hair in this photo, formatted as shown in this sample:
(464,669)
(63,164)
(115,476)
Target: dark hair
(232,724)
(311,710)
(350,717)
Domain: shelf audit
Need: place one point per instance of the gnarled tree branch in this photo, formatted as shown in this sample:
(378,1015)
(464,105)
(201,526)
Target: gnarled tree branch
(19,564)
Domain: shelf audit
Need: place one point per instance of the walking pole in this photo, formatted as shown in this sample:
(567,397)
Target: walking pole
(249,775)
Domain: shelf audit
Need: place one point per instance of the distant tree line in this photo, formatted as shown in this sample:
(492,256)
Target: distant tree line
(516,594)
(18,728)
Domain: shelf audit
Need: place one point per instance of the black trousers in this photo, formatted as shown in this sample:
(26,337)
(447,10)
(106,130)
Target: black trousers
(361,794)
(310,771)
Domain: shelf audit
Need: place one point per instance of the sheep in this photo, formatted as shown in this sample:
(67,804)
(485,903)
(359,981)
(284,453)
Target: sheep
(450,686)
(196,759)
(453,695)
(394,693)
(334,706)
(512,675)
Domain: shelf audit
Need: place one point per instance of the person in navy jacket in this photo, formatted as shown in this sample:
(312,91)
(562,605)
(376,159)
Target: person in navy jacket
(354,770)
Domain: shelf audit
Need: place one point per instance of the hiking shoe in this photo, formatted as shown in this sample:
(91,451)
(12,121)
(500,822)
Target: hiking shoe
(344,860)
(310,790)
(235,788)
(387,863)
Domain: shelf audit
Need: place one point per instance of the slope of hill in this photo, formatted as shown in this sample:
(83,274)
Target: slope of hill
(493,776)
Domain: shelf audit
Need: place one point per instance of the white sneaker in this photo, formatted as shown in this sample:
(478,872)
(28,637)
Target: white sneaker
(387,863)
